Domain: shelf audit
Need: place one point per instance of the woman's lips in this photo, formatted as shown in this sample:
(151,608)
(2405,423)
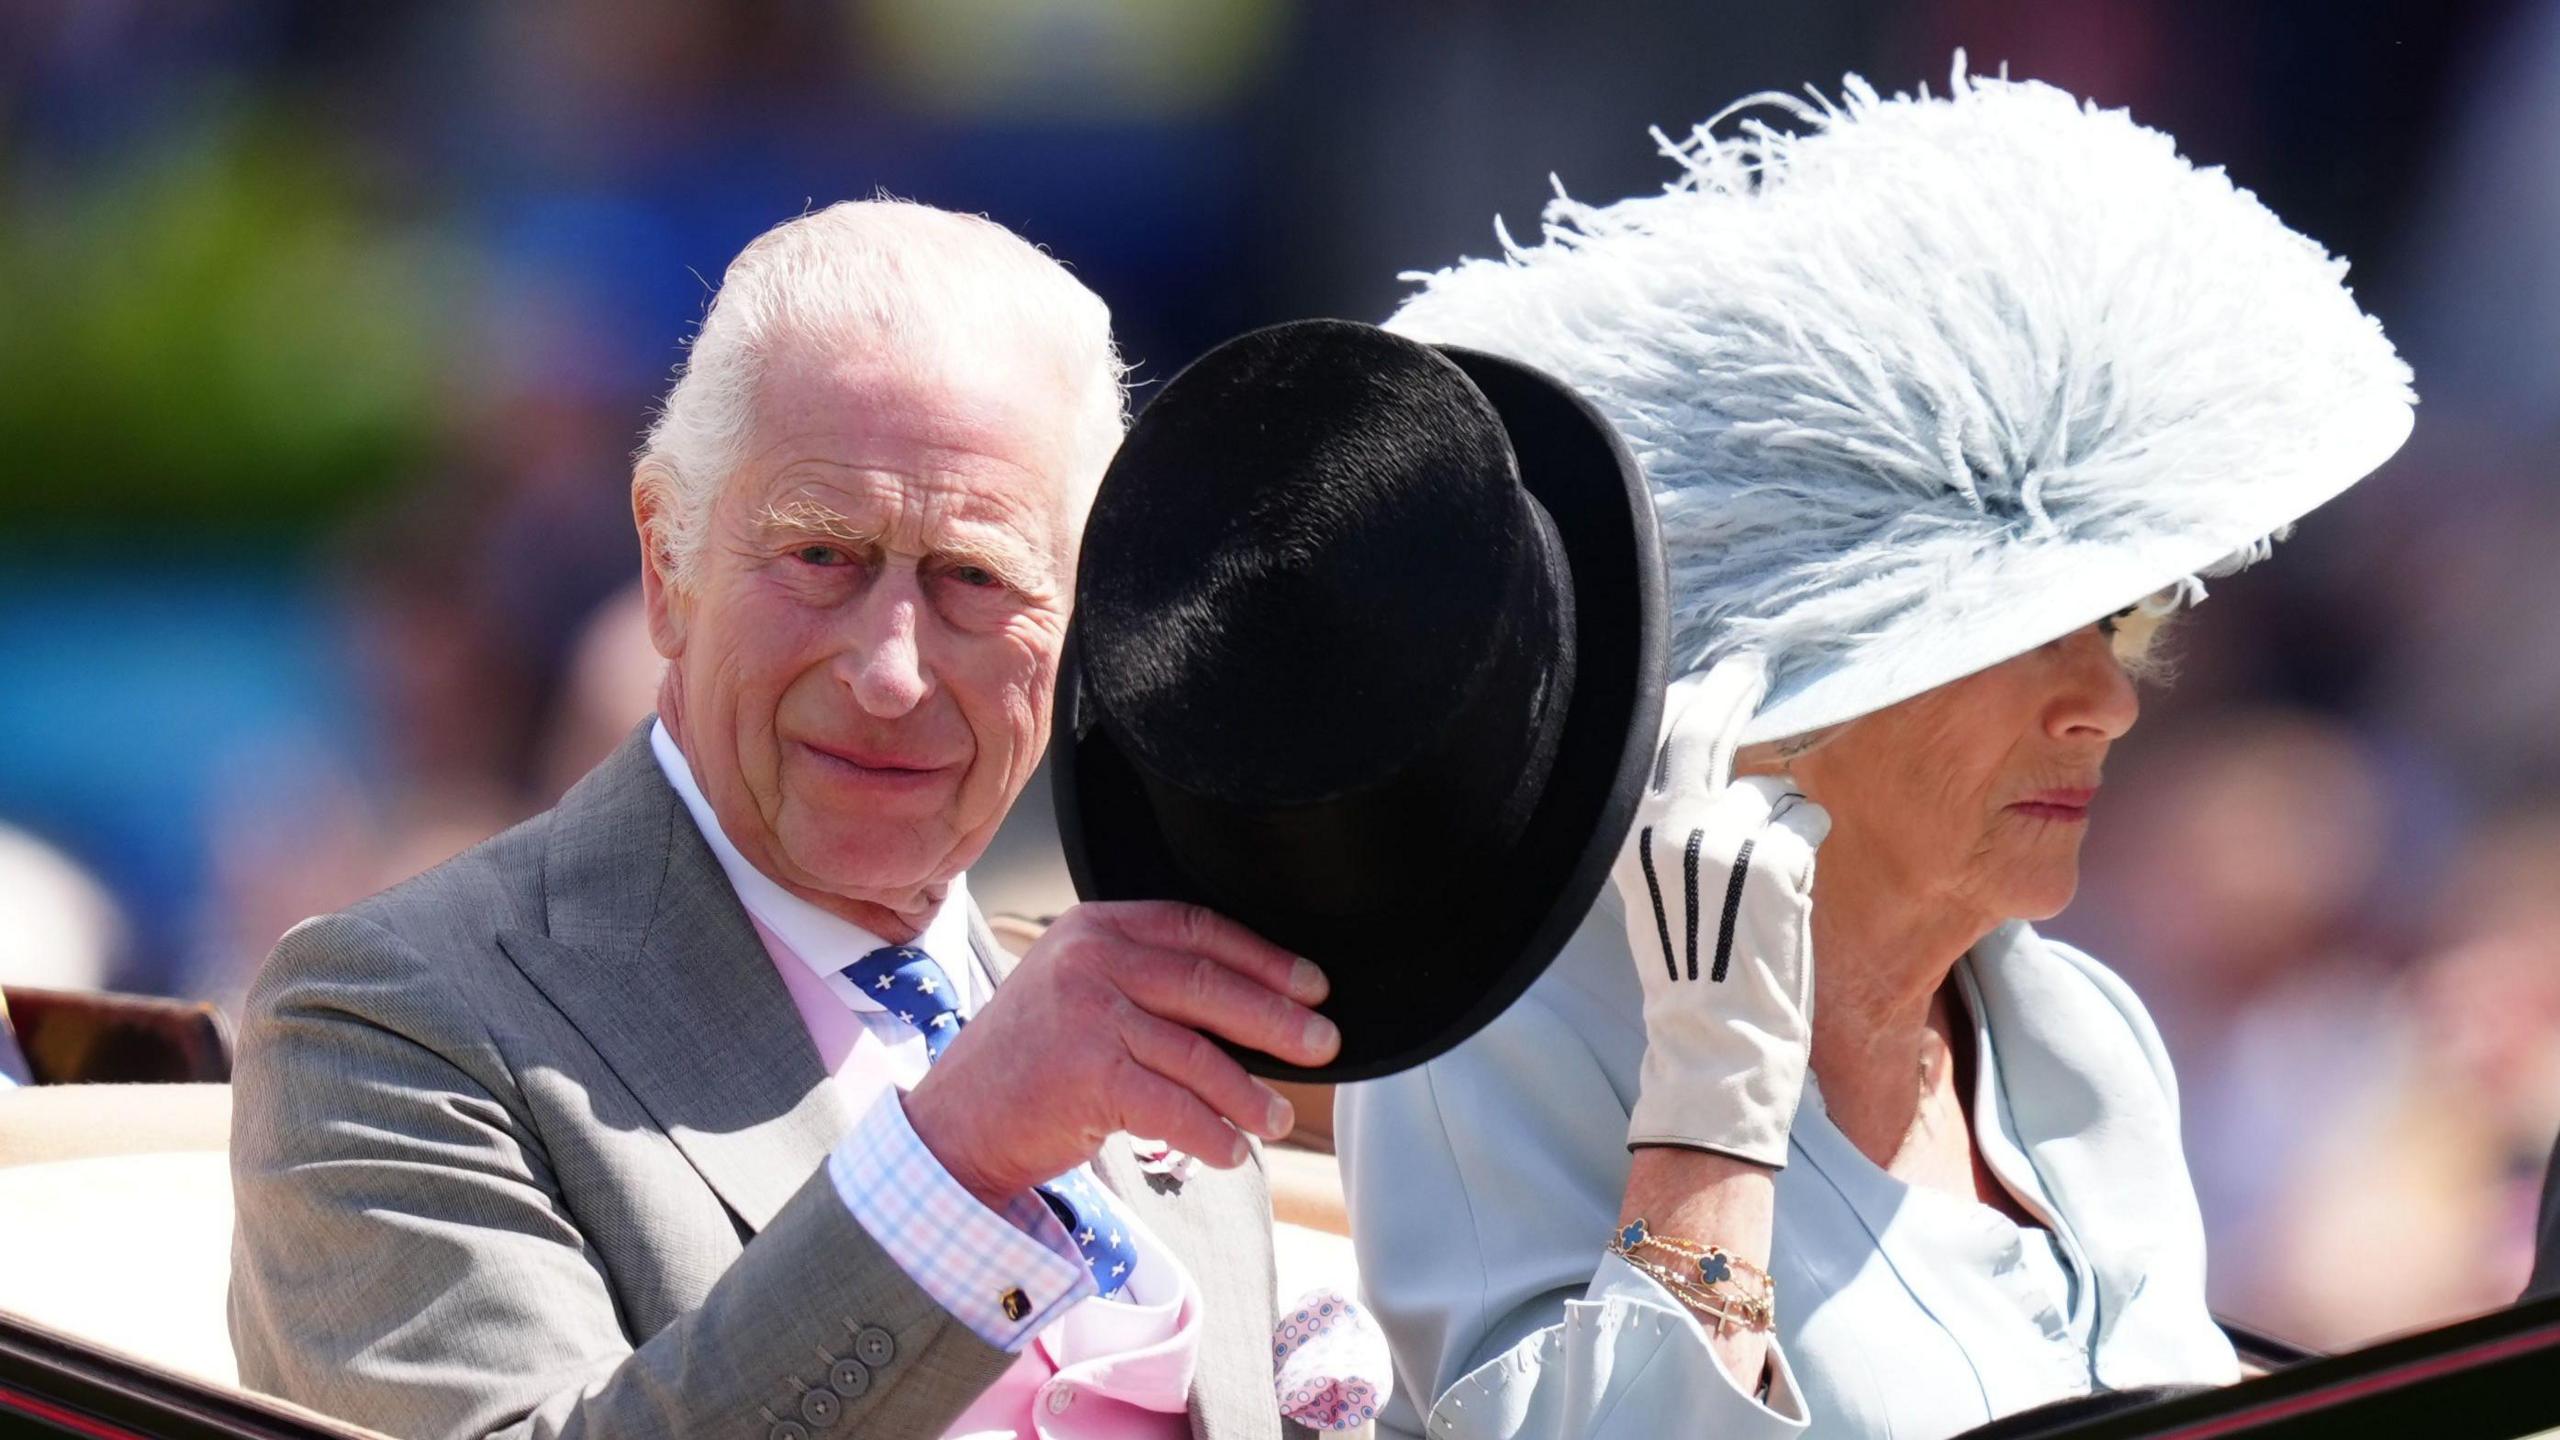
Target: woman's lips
(2068,805)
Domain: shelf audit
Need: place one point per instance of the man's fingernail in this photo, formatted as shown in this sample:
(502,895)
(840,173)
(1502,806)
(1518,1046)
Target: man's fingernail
(1307,982)
(1236,1151)
(1278,1119)
(1322,1035)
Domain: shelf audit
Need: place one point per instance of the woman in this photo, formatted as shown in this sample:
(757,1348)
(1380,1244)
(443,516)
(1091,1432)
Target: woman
(1946,402)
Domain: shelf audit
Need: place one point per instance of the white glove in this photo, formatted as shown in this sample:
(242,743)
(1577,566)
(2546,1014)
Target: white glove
(1717,879)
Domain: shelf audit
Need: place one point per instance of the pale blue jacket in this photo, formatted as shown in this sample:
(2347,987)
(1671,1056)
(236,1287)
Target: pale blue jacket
(1484,1185)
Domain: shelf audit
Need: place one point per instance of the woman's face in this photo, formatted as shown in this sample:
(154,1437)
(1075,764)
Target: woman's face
(1972,798)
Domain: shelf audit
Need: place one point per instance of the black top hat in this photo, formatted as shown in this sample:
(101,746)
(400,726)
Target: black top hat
(1367,654)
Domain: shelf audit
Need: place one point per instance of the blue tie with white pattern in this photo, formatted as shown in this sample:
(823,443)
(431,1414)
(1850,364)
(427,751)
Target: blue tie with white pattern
(908,984)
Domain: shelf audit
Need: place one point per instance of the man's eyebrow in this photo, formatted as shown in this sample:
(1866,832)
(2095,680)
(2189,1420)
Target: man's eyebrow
(1012,561)
(809,517)
(989,547)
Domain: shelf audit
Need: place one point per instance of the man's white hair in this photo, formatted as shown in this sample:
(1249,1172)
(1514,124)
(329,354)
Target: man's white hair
(931,291)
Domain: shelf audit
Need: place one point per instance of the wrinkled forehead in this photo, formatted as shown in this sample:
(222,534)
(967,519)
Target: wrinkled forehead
(1008,426)
(1013,401)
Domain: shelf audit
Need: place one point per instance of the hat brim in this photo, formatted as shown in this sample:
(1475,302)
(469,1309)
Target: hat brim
(1440,973)
(2023,596)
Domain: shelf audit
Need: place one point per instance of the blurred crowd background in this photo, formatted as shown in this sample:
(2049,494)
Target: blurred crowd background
(326,332)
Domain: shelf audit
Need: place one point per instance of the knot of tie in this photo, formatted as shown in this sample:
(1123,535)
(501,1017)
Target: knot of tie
(907,983)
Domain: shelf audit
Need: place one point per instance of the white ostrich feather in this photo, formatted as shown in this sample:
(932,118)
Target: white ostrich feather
(1886,370)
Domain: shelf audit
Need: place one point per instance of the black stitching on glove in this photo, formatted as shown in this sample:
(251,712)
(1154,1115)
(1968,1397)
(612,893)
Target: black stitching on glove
(1697,838)
(1661,921)
(1732,908)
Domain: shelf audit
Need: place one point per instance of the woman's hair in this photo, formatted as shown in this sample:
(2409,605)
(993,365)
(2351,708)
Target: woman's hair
(2136,633)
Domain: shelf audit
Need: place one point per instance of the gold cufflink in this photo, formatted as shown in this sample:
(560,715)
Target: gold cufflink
(1016,1304)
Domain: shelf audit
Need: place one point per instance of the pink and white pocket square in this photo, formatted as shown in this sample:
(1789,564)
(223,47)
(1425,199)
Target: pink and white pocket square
(1330,1362)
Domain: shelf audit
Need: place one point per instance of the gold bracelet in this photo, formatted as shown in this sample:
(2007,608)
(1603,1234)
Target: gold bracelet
(1715,1264)
(1703,1276)
(1727,1313)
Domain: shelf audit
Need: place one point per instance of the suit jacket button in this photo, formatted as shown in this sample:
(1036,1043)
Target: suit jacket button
(820,1408)
(787,1430)
(849,1378)
(873,1347)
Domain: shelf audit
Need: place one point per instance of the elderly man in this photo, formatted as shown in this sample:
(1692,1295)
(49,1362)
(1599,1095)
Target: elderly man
(703,1103)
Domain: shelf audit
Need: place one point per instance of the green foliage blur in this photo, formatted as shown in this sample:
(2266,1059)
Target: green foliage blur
(218,335)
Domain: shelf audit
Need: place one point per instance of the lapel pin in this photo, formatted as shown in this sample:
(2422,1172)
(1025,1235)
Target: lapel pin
(1165,1167)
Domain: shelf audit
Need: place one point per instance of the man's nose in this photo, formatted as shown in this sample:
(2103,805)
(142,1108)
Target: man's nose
(884,666)
(2097,699)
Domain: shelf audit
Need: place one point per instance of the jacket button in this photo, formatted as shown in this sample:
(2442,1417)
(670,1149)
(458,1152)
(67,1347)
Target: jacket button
(787,1430)
(849,1378)
(820,1408)
(873,1347)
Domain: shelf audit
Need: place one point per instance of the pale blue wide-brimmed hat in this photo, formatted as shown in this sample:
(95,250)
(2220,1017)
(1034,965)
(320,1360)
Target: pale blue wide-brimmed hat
(1925,382)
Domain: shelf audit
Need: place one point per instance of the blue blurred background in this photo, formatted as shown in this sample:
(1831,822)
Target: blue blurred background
(326,332)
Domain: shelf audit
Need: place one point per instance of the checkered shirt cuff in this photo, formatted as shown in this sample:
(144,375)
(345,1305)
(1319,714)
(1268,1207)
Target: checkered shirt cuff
(1003,1273)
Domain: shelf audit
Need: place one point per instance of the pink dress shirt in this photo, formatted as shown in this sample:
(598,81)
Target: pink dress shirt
(1093,1369)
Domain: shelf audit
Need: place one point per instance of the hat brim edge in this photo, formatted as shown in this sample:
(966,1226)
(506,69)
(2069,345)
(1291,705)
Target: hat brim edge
(2088,583)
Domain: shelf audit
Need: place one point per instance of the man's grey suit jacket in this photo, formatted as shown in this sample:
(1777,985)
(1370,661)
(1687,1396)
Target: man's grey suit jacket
(533,1145)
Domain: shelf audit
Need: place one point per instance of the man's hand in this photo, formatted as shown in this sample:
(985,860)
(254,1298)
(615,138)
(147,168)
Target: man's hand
(1100,1029)
(1717,881)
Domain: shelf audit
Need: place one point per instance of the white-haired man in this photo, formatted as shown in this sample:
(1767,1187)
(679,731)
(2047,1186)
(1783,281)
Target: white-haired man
(693,1105)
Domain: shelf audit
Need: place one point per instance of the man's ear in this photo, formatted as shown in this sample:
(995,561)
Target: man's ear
(670,606)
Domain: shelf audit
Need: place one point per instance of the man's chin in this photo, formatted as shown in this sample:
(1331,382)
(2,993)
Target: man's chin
(891,864)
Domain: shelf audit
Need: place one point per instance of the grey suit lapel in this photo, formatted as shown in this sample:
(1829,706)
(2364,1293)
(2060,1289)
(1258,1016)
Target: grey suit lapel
(1219,1223)
(991,952)
(650,955)
(1179,1226)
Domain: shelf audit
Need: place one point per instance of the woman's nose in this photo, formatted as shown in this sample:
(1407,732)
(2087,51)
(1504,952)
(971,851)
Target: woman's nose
(2097,699)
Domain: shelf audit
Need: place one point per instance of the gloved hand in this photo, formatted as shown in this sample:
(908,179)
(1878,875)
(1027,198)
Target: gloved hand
(1717,879)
